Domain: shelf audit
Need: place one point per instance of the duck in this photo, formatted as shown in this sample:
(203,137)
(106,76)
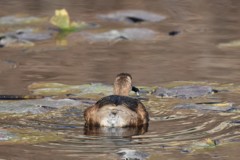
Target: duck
(119,109)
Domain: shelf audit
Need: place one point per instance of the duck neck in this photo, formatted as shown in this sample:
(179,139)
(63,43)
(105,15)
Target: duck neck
(121,92)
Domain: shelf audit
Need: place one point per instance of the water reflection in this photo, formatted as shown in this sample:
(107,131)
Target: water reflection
(115,131)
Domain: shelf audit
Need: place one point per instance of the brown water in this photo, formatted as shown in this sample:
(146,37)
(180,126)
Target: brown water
(192,55)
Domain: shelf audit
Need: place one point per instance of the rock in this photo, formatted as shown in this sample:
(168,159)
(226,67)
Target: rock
(35,106)
(203,144)
(31,35)
(125,34)
(184,91)
(13,41)
(6,135)
(23,37)
(132,154)
(133,16)
(221,107)
(17,20)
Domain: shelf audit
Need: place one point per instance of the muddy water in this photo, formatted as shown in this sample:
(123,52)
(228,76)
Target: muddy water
(192,55)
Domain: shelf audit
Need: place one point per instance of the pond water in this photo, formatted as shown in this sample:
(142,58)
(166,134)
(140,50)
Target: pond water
(194,54)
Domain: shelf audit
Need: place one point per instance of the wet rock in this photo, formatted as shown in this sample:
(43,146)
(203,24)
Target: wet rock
(221,107)
(31,35)
(35,106)
(125,34)
(6,135)
(203,144)
(16,20)
(236,122)
(13,41)
(132,154)
(184,91)
(79,91)
(23,37)
(133,16)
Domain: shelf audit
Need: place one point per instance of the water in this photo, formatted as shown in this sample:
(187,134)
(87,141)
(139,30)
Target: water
(192,55)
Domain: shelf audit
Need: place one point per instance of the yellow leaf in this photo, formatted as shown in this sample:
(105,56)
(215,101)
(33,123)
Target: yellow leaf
(61,19)
(61,12)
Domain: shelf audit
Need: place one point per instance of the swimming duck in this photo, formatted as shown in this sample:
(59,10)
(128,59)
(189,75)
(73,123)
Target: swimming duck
(118,110)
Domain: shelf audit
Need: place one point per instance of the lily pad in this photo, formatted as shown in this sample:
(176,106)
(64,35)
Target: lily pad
(133,16)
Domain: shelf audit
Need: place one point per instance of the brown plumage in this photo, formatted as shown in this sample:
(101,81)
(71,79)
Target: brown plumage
(117,110)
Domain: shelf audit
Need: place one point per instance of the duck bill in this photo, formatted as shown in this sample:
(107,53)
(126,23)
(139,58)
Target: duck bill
(136,90)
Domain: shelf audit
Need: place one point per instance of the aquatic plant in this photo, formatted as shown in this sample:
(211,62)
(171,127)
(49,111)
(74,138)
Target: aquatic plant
(61,19)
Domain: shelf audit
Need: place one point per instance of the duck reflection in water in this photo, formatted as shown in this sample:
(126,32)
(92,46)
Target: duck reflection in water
(118,113)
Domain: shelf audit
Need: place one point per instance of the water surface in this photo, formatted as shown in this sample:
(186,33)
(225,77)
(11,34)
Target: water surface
(192,55)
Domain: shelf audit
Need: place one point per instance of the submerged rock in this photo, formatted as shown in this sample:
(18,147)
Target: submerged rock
(82,91)
(32,35)
(6,135)
(125,34)
(35,106)
(13,41)
(23,37)
(133,16)
(16,20)
(184,91)
(221,107)
(203,144)
(132,154)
